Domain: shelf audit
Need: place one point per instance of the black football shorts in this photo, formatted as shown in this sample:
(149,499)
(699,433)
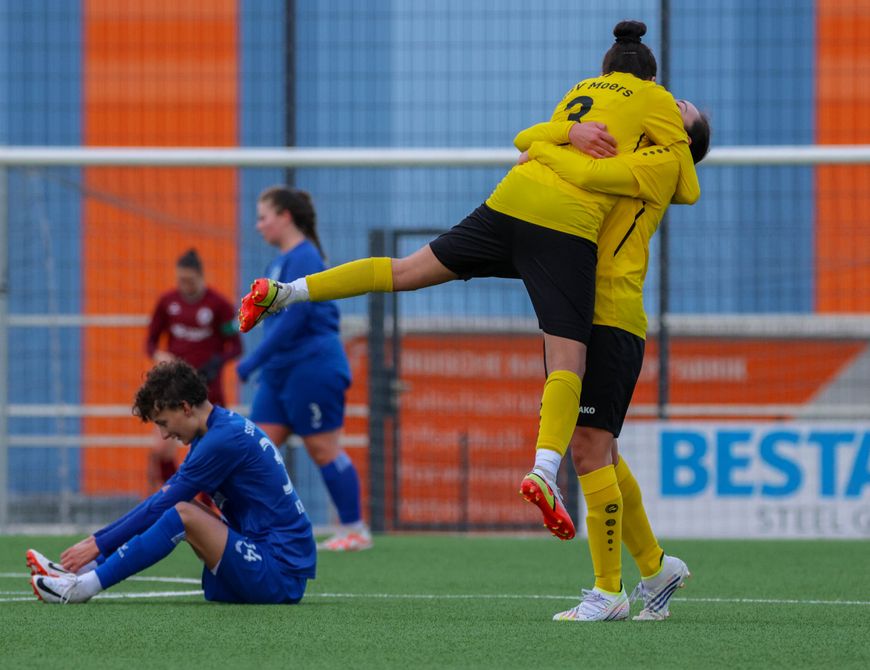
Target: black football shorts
(557,269)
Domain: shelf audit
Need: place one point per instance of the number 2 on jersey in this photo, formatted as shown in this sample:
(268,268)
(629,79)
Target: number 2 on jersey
(585,103)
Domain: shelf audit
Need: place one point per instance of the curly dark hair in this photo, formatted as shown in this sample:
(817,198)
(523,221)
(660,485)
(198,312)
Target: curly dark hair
(169,385)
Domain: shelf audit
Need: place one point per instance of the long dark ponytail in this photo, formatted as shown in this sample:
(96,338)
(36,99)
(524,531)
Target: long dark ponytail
(301,208)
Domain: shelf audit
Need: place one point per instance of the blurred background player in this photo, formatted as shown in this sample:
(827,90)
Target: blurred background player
(262,549)
(304,370)
(200,328)
(537,227)
(648,178)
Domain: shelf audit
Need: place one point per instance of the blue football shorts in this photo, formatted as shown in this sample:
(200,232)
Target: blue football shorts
(308,397)
(249,573)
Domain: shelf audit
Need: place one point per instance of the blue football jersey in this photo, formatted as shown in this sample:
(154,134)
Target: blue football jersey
(304,330)
(237,465)
(243,471)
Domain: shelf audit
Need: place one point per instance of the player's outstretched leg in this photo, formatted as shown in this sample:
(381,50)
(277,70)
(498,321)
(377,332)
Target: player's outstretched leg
(358,277)
(656,591)
(536,489)
(597,605)
(42,565)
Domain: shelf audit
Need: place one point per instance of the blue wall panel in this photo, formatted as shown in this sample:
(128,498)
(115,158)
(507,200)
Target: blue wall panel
(262,123)
(745,247)
(447,73)
(41,60)
(265,31)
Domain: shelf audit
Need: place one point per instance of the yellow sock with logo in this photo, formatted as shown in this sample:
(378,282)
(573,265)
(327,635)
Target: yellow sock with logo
(604,526)
(636,530)
(560,405)
(367,275)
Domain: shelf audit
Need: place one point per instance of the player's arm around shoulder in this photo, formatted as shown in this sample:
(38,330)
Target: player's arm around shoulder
(554,132)
(688,188)
(605,175)
(656,170)
(663,124)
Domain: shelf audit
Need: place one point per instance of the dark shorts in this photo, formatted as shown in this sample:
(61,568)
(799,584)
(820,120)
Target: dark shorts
(557,269)
(613,362)
(249,573)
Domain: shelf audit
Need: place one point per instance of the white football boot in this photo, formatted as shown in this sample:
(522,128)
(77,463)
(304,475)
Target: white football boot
(656,591)
(349,538)
(59,590)
(597,605)
(42,565)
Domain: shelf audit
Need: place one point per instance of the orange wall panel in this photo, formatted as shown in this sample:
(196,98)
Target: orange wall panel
(156,73)
(843,192)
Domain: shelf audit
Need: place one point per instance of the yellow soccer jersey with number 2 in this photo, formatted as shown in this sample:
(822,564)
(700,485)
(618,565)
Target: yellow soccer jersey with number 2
(636,112)
(649,179)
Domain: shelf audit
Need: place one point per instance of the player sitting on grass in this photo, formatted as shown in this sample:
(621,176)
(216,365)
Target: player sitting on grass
(261,551)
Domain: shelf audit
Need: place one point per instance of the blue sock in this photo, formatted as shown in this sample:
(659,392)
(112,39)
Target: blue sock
(342,482)
(143,550)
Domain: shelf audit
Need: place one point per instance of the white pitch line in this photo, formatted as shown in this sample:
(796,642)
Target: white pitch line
(505,596)
(165,580)
(426,596)
(146,594)
(115,596)
(771,601)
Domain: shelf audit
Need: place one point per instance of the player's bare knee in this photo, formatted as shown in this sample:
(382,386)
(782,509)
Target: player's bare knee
(591,449)
(565,354)
(323,449)
(186,511)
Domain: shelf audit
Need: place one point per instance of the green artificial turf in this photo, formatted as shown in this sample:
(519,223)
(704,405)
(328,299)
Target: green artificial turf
(435,601)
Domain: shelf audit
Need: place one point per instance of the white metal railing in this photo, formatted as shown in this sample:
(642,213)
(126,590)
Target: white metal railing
(313,157)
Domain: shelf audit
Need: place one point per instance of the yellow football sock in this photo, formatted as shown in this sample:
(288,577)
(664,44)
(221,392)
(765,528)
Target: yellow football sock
(636,530)
(366,275)
(604,526)
(560,405)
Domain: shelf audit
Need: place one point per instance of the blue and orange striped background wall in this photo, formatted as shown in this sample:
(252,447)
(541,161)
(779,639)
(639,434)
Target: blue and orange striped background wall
(163,73)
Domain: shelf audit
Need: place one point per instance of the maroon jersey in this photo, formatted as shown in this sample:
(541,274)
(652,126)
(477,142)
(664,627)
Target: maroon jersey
(203,333)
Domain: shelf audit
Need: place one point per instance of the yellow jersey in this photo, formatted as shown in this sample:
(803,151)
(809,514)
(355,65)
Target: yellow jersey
(648,180)
(636,112)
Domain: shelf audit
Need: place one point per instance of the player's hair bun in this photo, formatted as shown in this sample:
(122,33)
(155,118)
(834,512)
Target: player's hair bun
(629,32)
